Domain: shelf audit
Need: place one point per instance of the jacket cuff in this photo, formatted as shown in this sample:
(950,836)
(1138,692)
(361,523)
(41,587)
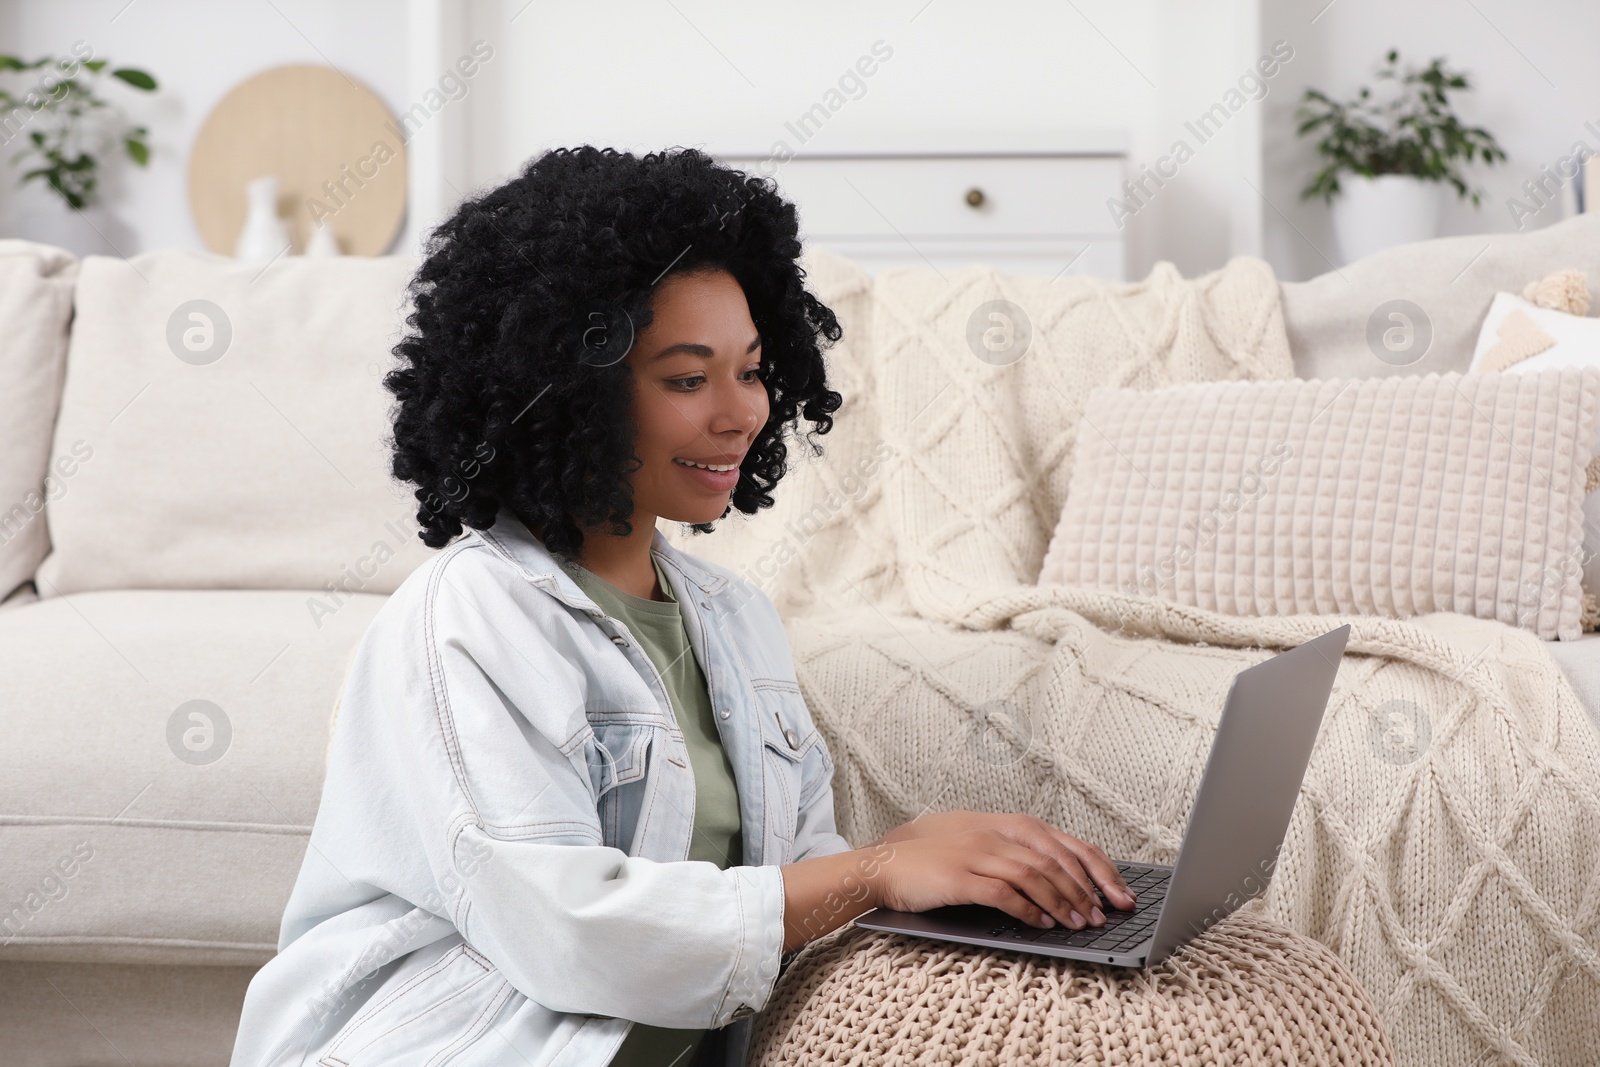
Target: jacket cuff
(760,900)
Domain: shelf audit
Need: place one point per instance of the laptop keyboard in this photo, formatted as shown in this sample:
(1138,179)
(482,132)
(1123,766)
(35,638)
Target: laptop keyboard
(1123,929)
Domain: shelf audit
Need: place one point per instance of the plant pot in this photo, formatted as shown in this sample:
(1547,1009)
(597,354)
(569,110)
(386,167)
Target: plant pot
(1371,214)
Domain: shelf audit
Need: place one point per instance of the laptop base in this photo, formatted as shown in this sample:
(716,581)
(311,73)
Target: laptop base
(1124,941)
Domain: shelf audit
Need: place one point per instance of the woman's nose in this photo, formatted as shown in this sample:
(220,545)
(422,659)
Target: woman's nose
(738,413)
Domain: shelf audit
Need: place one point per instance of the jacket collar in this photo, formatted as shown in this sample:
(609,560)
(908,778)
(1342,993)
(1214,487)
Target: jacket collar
(511,538)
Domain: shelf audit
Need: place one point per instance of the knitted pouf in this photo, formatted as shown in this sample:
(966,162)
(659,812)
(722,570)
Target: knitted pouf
(1248,992)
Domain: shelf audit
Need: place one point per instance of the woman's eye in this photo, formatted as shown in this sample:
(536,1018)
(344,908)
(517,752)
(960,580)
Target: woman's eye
(689,385)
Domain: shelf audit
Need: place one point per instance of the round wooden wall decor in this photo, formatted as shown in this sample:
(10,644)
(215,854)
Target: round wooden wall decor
(337,151)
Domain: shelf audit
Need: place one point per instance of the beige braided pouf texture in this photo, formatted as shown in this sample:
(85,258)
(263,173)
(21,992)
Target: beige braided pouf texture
(1247,992)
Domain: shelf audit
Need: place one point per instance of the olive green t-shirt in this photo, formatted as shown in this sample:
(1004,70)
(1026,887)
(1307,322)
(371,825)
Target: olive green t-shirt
(659,627)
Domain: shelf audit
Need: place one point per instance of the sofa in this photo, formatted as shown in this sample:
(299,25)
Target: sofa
(198,525)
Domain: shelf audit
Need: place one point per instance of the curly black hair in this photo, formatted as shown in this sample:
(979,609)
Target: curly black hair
(512,390)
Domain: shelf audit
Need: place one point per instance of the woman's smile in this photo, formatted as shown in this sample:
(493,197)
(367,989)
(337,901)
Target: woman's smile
(719,478)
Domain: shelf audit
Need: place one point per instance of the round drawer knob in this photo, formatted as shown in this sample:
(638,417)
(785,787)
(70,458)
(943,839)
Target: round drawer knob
(792,737)
(975,197)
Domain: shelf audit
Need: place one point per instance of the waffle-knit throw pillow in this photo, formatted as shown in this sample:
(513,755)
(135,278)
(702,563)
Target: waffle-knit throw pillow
(1248,992)
(1379,496)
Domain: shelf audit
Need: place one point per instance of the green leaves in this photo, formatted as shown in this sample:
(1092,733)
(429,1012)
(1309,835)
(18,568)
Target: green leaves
(14,63)
(136,78)
(73,179)
(138,151)
(1414,132)
(66,118)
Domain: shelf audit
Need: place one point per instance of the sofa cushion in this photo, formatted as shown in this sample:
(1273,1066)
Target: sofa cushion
(1523,338)
(1371,496)
(1343,324)
(1519,337)
(238,419)
(133,830)
(35,307)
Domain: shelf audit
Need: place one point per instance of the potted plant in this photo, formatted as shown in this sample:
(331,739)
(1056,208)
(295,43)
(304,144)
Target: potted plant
(1384,159)
(67,125)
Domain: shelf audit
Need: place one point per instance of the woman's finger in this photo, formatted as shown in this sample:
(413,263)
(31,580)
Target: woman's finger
(1064,861)
(1087,862)
(998,893)
(1097,866)
(1100,868)
(1044,880)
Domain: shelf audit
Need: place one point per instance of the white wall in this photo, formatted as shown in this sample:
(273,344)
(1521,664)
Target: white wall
(643,73)
(1537,82)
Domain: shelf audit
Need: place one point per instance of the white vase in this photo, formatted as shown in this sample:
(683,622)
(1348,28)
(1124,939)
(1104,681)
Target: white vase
(265,236)
(1371,214)
(322,242)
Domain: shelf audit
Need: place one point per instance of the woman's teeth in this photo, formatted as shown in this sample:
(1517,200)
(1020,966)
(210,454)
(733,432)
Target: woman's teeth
(705,466)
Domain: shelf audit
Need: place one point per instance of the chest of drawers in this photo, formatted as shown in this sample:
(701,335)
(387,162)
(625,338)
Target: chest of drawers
(1034,213)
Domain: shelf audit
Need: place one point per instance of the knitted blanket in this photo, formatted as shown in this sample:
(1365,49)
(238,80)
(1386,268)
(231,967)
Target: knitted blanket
(1447,840)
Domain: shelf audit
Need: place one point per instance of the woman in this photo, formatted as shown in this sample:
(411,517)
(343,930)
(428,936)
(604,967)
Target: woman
(576,809)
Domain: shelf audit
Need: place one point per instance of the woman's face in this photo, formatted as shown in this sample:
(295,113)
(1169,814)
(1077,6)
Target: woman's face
(697,396)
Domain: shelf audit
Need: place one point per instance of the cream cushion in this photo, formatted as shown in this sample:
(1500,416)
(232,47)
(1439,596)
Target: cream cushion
(1519,337)
(36,306)
(1373,496)
(237,420)
(133,832)
(1451,280)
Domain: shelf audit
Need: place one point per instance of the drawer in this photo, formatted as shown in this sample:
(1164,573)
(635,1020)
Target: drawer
(1053,257)
(922,196)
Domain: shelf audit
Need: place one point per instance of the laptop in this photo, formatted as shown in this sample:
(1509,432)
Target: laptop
(1230,847)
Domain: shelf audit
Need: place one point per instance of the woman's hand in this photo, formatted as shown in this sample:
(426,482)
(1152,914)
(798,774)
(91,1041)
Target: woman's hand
(1019,864)
(1085,863)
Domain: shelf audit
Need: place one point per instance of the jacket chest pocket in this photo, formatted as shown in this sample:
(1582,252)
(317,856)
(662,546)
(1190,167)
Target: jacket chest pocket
(424,1018)
(787,740)
(619,758)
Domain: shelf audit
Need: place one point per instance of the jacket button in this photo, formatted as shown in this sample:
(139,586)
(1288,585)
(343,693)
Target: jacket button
(618,639)
(723,713)
(792,738)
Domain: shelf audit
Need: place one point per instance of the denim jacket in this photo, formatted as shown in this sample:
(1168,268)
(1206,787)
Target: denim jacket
(498,870)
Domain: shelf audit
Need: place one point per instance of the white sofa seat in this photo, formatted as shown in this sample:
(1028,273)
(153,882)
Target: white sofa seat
(187,862)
